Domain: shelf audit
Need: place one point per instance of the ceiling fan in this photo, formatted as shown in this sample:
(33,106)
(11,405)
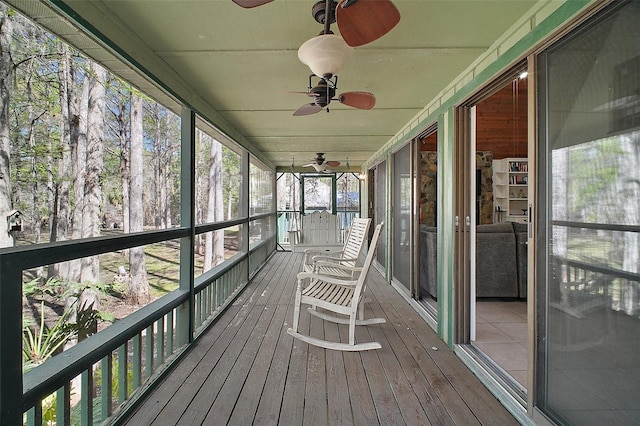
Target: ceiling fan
(359,21)
(325,91)
(321,164)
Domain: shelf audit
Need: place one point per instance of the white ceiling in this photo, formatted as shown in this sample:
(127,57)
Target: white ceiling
(237,65)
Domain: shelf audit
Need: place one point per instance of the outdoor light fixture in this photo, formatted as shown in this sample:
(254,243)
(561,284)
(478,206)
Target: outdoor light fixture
(325,54)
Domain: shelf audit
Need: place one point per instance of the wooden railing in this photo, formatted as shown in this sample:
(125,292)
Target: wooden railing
(579,285)
(103,376)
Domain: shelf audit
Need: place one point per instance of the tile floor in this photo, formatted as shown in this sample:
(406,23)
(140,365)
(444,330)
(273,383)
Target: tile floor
(501,333)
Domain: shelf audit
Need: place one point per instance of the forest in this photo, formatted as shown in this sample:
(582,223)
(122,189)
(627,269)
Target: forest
(84,154)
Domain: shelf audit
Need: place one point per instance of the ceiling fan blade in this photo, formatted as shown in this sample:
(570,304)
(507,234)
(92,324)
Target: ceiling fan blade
(363,21)
(310,94)
(307,109)
(332,163)
(360,100)
(248,4)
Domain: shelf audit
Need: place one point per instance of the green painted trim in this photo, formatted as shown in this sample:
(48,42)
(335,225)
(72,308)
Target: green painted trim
(11,380)
(442,314)
(450,249)
(446,228)
(184,320)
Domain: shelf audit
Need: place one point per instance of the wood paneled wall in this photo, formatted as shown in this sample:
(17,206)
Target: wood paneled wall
(501,123)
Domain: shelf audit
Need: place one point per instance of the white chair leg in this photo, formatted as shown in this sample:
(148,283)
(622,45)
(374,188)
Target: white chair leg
(352,329)
(296,307)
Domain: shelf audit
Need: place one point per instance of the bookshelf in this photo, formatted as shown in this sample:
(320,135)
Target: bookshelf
(510,190)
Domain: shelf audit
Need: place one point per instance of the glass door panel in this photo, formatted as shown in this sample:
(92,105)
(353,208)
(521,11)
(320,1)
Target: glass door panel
(498,182)
(589,340)
(401,234)
(428,219)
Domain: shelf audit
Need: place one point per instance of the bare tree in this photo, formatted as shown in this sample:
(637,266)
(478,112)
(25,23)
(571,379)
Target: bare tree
(78,110)
(6,67)
(94,163)
(214,241)
(139,286)
(160,130)
(121,97)
(69,121)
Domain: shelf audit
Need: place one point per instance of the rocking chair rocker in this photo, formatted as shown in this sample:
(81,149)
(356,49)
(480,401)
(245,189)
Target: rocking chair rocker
(340,296)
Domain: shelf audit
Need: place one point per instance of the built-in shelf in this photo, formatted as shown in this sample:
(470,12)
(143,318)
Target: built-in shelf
(510,189)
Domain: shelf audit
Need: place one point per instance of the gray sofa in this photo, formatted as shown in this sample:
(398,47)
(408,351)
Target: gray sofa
(501,260)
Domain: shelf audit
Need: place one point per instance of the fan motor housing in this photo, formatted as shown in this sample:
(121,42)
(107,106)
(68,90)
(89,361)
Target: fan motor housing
(323,93)
(318,11)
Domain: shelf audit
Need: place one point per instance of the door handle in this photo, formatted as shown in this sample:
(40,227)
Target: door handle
(468,221)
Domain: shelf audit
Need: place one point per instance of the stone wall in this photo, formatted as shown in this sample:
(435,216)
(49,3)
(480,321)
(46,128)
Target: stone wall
(484,163)
(428,187)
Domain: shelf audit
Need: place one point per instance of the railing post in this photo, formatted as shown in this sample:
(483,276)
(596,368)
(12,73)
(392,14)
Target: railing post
(245,200)
(184,318)
(10,344)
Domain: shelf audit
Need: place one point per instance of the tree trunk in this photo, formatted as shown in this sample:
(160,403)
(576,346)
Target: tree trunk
(6,31)
(139,287)
(123,145)
(125,177)
(214,242)
(92,198)
(78,110)
(61,216)
(35,162)
(94,163)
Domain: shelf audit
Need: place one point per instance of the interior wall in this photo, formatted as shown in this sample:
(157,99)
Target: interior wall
(502,122)
(430,142)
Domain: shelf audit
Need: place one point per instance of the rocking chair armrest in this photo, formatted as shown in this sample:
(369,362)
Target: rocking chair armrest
(339,266)
(326,278)
(334,259)
(327,250)
(309,253)
(320,258)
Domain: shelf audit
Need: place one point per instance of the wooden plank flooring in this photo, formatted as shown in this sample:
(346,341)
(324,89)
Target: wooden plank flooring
(247,370)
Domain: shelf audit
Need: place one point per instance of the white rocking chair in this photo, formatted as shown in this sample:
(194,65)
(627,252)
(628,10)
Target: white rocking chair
(331,262)
(337,295)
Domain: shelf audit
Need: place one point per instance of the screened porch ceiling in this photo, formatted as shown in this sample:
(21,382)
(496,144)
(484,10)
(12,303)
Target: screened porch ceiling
(237,65)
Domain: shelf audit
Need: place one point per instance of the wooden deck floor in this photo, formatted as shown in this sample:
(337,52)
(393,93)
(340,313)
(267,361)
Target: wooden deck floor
(248,370)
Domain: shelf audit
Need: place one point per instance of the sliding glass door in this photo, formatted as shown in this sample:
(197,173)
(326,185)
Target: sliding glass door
(588,361)
(401,235)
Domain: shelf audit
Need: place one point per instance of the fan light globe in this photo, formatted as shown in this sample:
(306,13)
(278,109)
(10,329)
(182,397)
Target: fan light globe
(325,54)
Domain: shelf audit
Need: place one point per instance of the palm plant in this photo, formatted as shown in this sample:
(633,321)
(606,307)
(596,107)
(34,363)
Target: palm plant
(41,344)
